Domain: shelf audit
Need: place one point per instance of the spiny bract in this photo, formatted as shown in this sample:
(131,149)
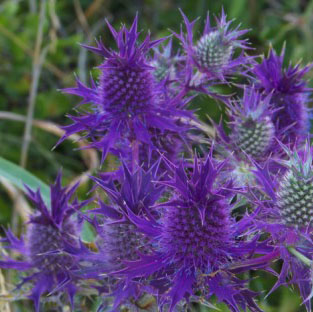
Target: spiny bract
(127,102)
(194,240)
(49,233)
(290,96)
(295,192)
(213,54)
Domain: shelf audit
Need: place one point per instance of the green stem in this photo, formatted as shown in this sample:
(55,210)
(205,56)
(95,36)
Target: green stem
(300,256)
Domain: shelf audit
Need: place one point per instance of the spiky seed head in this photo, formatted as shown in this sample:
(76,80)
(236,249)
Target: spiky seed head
(198,243)
(213,52)
(290,95)
(121,242)
(198,226)
(295,200)
(254,136)
(127,101)
(161,70)
(164,62)
(252,129)
(46,243)
(295,194)
(51,250)
(127,89)
(194,241)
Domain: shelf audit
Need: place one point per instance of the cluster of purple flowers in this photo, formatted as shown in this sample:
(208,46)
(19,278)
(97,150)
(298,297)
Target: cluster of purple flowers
(172,225)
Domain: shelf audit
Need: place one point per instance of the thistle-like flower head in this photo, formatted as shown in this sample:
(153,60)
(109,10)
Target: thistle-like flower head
(252,130)
(295,192)
(289,95)
(251,136)
(118,239)
(193,239)
(49,232)
(287,216)
(127,101)
(214,53)
(164,62)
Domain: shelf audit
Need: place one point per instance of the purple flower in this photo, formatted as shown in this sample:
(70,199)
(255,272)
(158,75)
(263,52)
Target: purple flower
(118,239)
(49,232)
(287,216)
(213,54)
(194,241)
(128,101)
(164,63)
(252,131)
(290,95)
(251,137)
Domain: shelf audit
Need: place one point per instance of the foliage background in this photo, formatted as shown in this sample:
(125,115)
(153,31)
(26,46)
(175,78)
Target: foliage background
(69,22)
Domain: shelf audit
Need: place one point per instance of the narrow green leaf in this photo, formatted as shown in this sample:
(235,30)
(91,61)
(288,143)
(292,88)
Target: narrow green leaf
(18,176)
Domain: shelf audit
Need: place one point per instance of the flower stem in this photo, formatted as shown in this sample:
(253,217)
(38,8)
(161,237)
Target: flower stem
(300,256)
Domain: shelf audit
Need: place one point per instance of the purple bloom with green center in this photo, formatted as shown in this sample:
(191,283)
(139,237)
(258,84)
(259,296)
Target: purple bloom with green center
(164,63)
(287,215)
(213,55)
(290,96)
(127,101)
(194,241)
(252,131)
(251,137)
(49,231)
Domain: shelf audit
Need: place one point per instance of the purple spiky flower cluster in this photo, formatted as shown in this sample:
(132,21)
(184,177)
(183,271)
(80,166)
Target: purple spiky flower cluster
(188,215)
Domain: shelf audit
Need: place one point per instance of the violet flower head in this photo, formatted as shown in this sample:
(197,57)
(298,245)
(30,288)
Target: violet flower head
(214,53)
(134,193)
(49,232)
(164,62)
(287,216)
(194,241)
(127,101)
(290,96)
(251,137)
(295,192)
(118,239)
(252,130)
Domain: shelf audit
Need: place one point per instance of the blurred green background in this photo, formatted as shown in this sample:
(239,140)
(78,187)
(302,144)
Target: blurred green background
(45,67)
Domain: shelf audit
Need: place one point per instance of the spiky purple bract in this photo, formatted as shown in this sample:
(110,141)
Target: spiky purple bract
(118,239)
(287,216)
(128,101)
(290,96)
(252,131)
(194,241)
(49,232)
(213,54)
(164,62)
(251,137)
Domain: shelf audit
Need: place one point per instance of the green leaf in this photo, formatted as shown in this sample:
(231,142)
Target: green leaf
(19,176)
(87,233)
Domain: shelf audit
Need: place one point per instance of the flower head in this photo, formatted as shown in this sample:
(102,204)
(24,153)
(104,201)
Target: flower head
(252,131)
(289,95)
(295,191)
(193,241)
(127,101)
(118,239)
(49,231)
(251,137)
(287,215)
(164,62)
(214,53)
